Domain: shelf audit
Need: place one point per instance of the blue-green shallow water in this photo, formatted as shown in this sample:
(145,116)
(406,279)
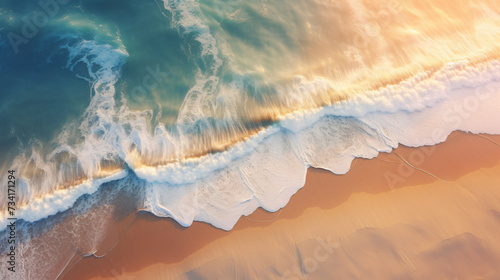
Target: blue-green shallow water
(39,95)
(205,110)
(153,46)
(36,79)
(155,82)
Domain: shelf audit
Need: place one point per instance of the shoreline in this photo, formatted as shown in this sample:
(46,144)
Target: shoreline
(152,244)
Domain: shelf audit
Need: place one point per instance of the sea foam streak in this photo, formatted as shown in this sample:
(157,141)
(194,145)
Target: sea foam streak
(267,169)
(37,197)
(260,169)
(219,188)
(274,93)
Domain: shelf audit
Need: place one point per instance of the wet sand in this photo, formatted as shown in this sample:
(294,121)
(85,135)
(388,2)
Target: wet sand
(436,219)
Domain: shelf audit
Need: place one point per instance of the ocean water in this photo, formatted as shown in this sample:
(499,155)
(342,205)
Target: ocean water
(206,110)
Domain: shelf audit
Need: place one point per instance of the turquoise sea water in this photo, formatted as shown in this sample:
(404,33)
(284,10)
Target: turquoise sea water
(40,94)
(170,51)
(206,110)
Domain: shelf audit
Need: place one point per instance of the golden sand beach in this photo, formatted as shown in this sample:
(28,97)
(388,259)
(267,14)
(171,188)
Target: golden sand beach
(384,219)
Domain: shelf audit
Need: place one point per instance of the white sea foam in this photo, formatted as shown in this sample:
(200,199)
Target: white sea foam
(39,197)
(58,201)
(187,18)
(270,167)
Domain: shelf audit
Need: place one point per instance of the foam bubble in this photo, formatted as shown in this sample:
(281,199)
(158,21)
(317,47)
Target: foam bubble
(271,167)
(58,201)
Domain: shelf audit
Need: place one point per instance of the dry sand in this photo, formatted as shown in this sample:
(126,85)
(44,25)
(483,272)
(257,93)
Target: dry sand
(382,220)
